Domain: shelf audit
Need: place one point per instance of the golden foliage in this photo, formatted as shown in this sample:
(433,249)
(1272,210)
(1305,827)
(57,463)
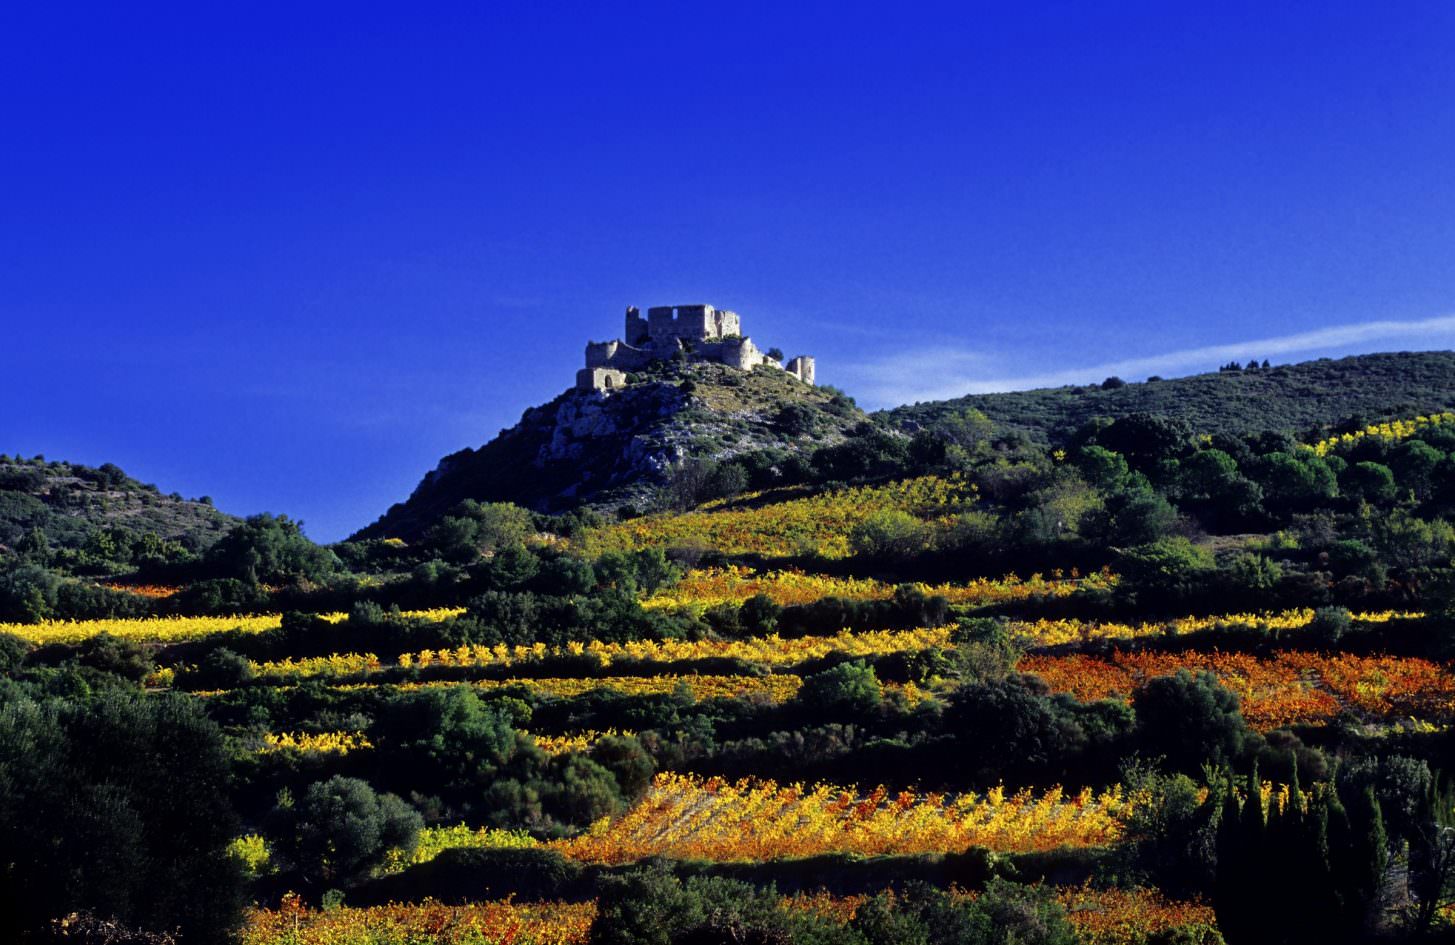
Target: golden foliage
(572,741)
(734,584)
(1391,430)
(817,524)
(173,629)
(481,923)
(435,840)
(1286,689)
(324,743)
(688,817)
(771,650)
(1047,632)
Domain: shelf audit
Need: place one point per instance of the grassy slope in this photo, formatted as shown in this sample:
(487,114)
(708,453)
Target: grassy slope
(1296,397)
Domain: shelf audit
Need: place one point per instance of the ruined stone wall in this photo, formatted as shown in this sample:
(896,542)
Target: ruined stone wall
(728,324)
(615,354)
(602,379)
(802,367)
(707,333)
(637,332)
(688,322)
(740,353)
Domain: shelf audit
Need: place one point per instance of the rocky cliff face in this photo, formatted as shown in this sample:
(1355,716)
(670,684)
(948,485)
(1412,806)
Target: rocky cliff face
(606,450)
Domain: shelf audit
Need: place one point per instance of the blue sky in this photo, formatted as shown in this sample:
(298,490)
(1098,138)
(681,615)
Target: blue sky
(290,255)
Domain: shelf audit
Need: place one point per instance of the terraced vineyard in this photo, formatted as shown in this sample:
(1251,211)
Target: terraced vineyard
(753,709)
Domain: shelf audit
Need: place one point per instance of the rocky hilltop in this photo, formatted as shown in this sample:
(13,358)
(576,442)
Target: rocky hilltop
(605,450)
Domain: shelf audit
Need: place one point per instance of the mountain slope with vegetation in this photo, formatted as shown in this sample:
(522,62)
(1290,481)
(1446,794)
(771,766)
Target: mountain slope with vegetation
(99,512)
(1294,398)
(1151,686)
(585,448)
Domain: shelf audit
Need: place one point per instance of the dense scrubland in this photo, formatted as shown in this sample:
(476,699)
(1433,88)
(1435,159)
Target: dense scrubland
(1137,682)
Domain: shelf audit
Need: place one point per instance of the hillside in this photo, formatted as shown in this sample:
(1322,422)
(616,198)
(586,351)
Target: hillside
(1294,397)
(586,448)
(69,503)
(1050,678)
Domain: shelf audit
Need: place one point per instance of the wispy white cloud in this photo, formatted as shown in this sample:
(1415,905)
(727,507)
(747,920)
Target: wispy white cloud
(940,372)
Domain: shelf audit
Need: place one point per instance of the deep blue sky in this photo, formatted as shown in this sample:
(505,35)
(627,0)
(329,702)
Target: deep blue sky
(289,255)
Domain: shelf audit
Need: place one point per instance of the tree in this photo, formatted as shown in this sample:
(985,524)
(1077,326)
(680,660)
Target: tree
(581,790)
(1189,720)
(759,615)
(475,528)
(1104,469)
(650,906)
(692,482)
(1309,868)
(448,737)
(269,550)
(969,429)
(1253,572)
(796,418)
(890,534)
(1005,913)
(28,593)
(1146,439)
(848,688)
(1372,482)
(219,669)
(340,830)
(117,806)
(628,762)
(1297,481)
(1415,464)
(1170,567)
(1010,725)
(1139,517)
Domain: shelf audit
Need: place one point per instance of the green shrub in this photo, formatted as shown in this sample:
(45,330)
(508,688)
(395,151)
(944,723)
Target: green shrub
(340,830)
(848,688)
(1189,720)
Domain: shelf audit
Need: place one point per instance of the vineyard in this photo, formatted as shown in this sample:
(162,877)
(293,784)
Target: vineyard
(1100,917)
(1292,688)
(173,629)
(520,729)
(689,818)
(817,526)
(734,584)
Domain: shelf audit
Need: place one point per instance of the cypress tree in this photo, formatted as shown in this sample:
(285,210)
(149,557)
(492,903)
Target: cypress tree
(1241,880)
(1360,858)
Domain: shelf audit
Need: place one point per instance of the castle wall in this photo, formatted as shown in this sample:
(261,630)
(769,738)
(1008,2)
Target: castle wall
(689,322)
(615,354)
(600,353)
(740,353)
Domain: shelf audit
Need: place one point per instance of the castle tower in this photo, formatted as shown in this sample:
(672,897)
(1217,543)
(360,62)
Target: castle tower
(636,327)
(801,367)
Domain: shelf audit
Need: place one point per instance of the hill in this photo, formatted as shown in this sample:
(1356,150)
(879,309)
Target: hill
(70,503)
(586,448)
(1294,397)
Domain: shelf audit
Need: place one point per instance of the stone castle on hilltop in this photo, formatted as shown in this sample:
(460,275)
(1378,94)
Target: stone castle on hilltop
(698,332)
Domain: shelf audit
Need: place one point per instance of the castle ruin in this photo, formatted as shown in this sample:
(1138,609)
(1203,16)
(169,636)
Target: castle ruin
(698,332)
